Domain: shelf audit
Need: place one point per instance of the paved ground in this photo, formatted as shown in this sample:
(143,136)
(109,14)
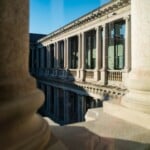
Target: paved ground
(106,133)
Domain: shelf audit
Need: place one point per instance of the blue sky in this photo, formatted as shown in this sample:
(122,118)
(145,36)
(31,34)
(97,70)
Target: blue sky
(49,15)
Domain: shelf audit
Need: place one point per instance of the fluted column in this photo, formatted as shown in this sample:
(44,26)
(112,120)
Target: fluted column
(20,127)
(138,83)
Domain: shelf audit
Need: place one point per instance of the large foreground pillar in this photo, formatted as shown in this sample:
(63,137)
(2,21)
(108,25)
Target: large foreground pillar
(138,83)
(20,127)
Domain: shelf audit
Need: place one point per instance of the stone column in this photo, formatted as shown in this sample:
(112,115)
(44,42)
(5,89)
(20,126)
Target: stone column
(20,127)
(138,83)
(66,59)
(82,70)
(104,69)
(65,53)
(79,56)
(127,43)
(96,72)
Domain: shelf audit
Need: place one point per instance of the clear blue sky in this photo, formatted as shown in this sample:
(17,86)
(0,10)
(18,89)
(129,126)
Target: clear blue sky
(49,15)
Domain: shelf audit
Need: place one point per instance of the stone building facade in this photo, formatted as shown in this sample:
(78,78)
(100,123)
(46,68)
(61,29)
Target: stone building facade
(85,62)
(120,125)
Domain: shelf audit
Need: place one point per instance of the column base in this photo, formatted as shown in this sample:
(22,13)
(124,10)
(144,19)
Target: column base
(138,97)
(137,100)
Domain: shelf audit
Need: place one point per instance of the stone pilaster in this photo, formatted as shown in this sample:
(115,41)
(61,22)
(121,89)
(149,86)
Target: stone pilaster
(138,83)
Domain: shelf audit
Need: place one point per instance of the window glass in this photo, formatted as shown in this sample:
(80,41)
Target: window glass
(90,49)
(116,46)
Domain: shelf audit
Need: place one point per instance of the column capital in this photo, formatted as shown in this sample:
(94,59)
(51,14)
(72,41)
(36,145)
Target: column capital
(127,17)
(97,28)
(103,25)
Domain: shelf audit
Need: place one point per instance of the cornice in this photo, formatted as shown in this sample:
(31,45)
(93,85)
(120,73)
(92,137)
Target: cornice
(93,15)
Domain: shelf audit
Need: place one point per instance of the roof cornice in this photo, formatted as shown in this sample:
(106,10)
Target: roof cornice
(96,13)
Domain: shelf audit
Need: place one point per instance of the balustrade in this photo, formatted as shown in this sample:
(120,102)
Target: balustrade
(114,75)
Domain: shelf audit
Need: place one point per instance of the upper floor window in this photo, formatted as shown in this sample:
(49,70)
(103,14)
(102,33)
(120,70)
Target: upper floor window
(73,49)
(90,49)
(116,44)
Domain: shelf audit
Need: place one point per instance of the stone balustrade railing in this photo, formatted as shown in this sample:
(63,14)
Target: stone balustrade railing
(114,75)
